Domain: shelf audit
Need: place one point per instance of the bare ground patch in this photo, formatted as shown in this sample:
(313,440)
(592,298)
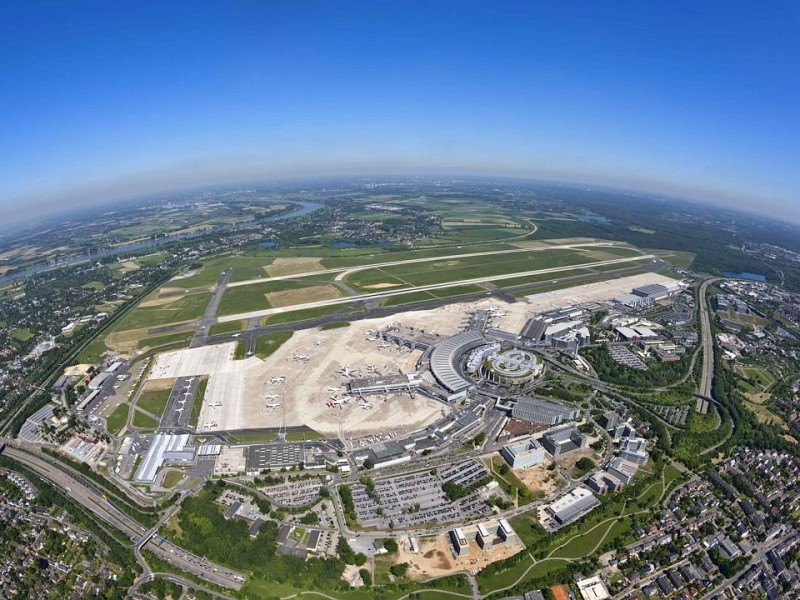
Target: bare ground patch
(435,558)
(539,478)
(381,286)
(292,266)
(303,295)
(157,385)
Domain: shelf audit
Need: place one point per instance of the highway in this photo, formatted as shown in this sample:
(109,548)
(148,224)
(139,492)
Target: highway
(426,288)
(707,339)
(95,503)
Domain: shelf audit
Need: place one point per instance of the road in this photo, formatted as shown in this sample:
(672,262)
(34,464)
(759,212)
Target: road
(425,288)
(707,340)
(141,538)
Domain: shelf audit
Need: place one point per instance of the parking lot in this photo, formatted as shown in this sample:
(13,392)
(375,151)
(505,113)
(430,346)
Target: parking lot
(417,499)
(293,492)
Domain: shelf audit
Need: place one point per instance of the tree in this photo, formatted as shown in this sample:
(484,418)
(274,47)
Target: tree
(390,544)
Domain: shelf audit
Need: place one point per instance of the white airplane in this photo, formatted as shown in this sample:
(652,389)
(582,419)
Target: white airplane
(278,379)
(367,407)
(302,357)
(381,346)
(191,379)
(271,397)
(275,405)
(179,410)
(333,389)
(371,339)
(371,368)
(318,342)
(347,372)
(217,403)
(236,334)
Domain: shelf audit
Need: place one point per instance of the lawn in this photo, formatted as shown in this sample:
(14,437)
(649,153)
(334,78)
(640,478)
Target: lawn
(456,269)
(184,308)
(585,544)
(335,325)
(23,334)
(294,316)
(301,436)
(143,421)
(198,401)
(117,419)
(151,259)
(94,285)
(172,479)
(240,350)
(163,340)
(247,298)
(252,438)
(93,353)
(229,327)
(154,401)
(270,342)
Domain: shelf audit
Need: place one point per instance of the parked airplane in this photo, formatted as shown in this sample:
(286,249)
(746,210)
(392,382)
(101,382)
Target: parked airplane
(302,357)
(236,334)
(179,410)
(271,397)
(367,407)
(333,389)
(381,346)
(278,379)
(217,403)
(347,372)
(275,405)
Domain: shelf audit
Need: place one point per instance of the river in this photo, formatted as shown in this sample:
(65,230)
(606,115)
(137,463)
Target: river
(304,209)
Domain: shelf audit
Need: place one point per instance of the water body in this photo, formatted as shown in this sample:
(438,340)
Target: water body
(304,208)
(745,275)
(593,219)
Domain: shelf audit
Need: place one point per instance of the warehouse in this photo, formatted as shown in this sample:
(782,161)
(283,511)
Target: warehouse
(164,447)
(572,506)
(540,410)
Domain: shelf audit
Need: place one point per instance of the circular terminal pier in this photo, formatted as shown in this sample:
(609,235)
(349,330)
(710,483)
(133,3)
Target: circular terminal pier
(512,367)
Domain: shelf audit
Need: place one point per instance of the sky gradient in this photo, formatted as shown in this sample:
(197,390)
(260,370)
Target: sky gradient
(102,100)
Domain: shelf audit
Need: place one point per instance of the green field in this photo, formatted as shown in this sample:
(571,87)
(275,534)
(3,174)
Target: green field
(94,285)
(229,327)
(151,259)
(183,308)
(23,334)
(93,353)
(117,419)
(412,297)
(240,350)
(143,421)
(457,269)
(172,479)
(252,438)
(270,342)
(301,436)
(305,314)
(198,401)
(154,401)
(247,298)
(335,325)
(162,340)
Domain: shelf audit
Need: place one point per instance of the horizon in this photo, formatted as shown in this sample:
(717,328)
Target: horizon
(112,102)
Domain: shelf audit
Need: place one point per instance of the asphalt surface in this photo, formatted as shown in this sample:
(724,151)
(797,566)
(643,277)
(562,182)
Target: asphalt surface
(178,409)
(430,287)
(94,502)
(707,339)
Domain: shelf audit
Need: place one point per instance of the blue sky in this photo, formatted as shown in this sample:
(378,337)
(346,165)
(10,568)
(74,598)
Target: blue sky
(102,100)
